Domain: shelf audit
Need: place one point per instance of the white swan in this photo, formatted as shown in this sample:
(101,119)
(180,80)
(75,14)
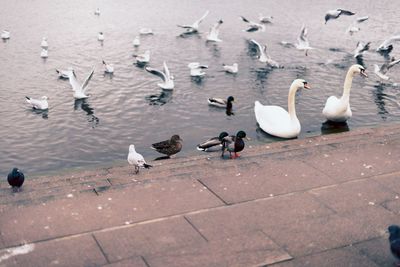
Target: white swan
(79,89)
(338,109)
(276,120)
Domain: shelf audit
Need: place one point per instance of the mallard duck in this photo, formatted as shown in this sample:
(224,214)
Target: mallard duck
(136,159)
(15,178)
(222,103)
(169,147)
(212,142)
(233,144)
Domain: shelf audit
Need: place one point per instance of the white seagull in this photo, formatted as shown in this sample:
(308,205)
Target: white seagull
(142,58)
(136,159)
(387,45)
(108,68)
(230,68)
(41,104)
(302,41)
(136,41)
(212,35)
(79,89)
(100,36)
(64,74)
(196,69)
(382,70)
(353,28)
(145,31)
(263,55)
(168,79)
(5,35)
(193,28)
(334,14)
(252,26)
(265,19)
(97,12)
(44,43)
(361,48)
(44,53)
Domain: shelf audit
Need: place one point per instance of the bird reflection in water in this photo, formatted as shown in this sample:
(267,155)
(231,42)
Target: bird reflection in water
(161,99)
(214,49)
(84,105)
(379,99)
(330,127)
(43,113)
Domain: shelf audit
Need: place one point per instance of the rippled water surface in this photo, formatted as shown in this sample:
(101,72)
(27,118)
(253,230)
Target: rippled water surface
(129,107)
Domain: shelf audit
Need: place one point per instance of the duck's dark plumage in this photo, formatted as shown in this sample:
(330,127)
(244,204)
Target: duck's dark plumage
(214,141)
(169,147)
(16,178)
(394,239)
(233,143)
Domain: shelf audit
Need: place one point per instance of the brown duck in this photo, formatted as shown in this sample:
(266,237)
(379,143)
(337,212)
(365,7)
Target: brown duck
(169,147)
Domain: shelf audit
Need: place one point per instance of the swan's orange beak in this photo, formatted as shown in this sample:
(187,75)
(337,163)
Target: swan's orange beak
(307,86)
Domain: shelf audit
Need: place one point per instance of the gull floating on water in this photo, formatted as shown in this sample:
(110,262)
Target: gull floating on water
(382,70)
(97,12)
(193,28)
(212,35)
(263,55)
(168,79)
(142,58)
(265,19)
(354,28)
(5,35)
(44,43)
(136,159)
(100,36)
(145,31)
(336,13)
(136,41)
(387,45)
(302,41)
(361,48)
(40,104)
(44,53)
(108,68)
(80,89)
(252,26)
(196,69)
(64,74)
(230,68)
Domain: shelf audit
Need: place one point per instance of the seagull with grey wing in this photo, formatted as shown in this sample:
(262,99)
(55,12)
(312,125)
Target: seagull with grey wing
(353,28)
(336,13)
(302,41)
(193,28)
(80,89)
(360,49)
(168,79)
(252,26)
(212,35)
(384,68)
(137,160)
(387,45)
(263,55)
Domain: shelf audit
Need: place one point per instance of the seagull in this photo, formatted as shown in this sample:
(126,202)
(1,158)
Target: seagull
(265,19)
(233,144)
(334,14)
(44,53)
(252,26)
(97,12)
(136,41)
(100,37)
(394,240)
(302,41)
(212,142)
(212,35)
(64,74)
(353,28)
(15,178)
(168,79)
(196,69)
(79,90)
(109,68)
(44,43)
(169,147)
(5,35)
(263,55)
(381,71)
(142,58)
(230,68)
(195,26)
(387,45)
(145,31)
(137,159)
(361,48)
(39,104)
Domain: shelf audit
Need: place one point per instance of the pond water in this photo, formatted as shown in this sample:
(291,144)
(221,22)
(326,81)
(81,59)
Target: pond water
(129,107)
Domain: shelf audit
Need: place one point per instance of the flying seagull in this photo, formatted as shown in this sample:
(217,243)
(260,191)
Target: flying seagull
(353,28)
(361,48)
(80,89)
(302,41)
(336,13)
(212,35)
(168,79)
(193,28)
(64,74)
(382,70)
(263,55)
(387,45)
(252,26)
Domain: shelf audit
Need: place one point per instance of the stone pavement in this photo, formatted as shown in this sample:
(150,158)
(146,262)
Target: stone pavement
(320,201)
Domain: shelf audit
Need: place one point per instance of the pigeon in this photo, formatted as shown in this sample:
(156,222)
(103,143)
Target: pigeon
(39,104)
(336,13)
(361,48)
(212,142)
(387,45)
(137,159)
(44,43)
(168,79)
(233,69)
(263,55)
(394,241)
(382,70)
(302,41)
(108,68)
(233,144)
(15,178)
(212,35)
(196,69)
(194,28)
(252,26)
(79,89)
(169,147)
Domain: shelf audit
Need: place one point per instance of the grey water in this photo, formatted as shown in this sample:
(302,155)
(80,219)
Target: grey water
(129,108)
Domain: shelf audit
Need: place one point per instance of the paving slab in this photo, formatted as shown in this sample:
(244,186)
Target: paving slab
(131,262)
(378,251)
(390,181)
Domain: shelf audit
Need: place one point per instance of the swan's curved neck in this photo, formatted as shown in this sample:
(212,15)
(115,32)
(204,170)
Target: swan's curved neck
(347,84)
(291,101)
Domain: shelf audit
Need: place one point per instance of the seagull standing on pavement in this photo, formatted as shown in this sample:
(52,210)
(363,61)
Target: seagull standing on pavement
(136,159)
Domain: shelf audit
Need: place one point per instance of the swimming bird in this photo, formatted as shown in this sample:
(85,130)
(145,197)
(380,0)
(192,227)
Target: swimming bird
(361,48)
(275,120)
(302,41)
(394,241)
(146,31)
(168,79)
(169,147)
(336,13)
(64,74)
(15,179)
(387,45)
(222,103)
(137,159)
(44,53)
(233,143)
(353,28)
(252,26)
(142,58)
(384,68)
(233,69)
(44,43)
(100,37)
(212,142)
(79,89)
(212,35)
(5,34)
(40,104)
(97,12)
(136,41)
(265,19)
(263,55)
(108,68)
(338,109)
(196,69)
(193,28)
